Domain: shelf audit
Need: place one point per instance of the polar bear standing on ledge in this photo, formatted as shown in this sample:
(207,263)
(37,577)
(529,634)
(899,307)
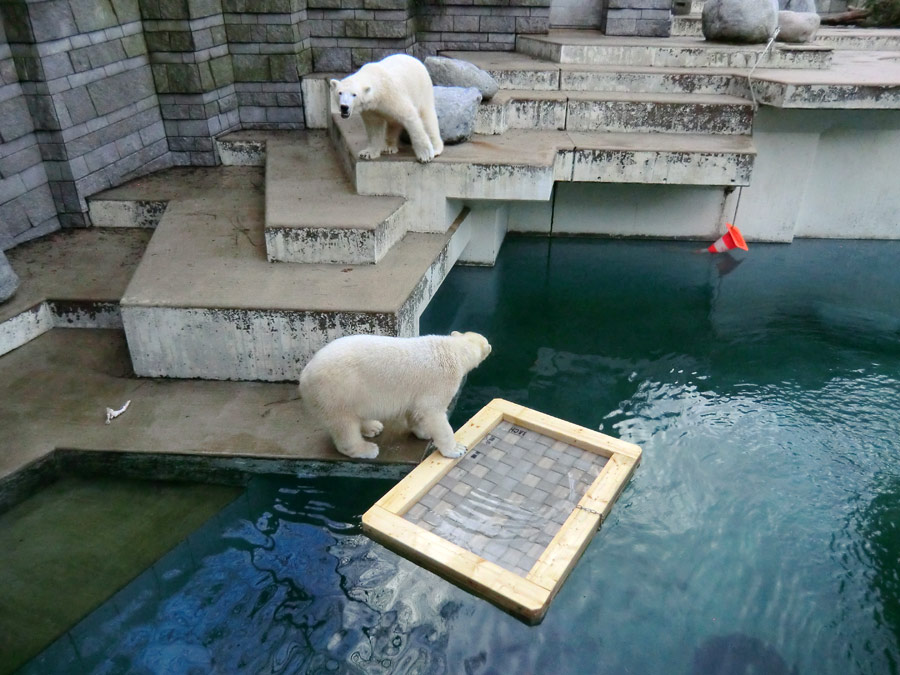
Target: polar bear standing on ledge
(353,383)
(391,95)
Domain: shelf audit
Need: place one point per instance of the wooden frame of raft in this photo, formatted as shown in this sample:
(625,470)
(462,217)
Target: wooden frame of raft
(527,597)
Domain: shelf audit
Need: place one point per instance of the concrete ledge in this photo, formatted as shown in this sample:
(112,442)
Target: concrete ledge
(117,213)
(173,427)
(615,111)
(523,165)
(205,303)
(586,47)
(865,80)
(69,279)
(313,215)
(667,159)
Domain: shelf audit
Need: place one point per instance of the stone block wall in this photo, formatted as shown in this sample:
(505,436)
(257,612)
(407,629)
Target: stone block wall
(646,18)
(192,74)
(346,34)
(96,92)
(490,25)
(85,78)
(27,209)
(269,42)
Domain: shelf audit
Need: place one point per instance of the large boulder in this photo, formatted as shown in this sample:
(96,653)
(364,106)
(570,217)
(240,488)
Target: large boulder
(9,280)
(797,26)
(797,5)
(456,108)
(456,73)
(743,21)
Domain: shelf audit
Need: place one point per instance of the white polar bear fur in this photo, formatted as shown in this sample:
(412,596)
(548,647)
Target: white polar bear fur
(355,382)
(391,95)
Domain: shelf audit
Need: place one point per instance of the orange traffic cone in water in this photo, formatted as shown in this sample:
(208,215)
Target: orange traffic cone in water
(731,239)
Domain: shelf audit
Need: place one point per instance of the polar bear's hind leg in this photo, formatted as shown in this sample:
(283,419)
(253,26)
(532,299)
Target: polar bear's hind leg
(347,437)
(392,139)
(371,428)
(432,128)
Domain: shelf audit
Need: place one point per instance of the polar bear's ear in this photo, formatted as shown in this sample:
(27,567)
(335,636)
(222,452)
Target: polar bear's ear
(455,333)
(334,84)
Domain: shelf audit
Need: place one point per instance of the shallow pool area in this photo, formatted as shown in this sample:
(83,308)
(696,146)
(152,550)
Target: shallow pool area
(761,533)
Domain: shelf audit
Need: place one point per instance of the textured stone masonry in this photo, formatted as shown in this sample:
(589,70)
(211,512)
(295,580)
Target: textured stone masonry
(648,18)
(95,92)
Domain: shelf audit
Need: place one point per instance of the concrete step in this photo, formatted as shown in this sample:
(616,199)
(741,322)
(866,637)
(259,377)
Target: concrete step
(860,39)
(515,71)
(205,302)
(522,165)
(687,26)
(72,278)
(616,112)
(592,47)
(876,39)
(313,214)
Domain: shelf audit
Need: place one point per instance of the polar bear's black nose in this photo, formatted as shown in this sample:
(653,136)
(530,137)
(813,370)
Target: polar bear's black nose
(345,111)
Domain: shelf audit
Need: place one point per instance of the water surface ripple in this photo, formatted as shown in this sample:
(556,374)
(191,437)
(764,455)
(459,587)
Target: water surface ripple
(761,533)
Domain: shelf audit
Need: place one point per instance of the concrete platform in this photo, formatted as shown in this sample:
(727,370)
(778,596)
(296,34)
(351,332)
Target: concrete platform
(855,79)
(205,302)
(71,278)
(57,388)
(635,112)
(523,165)
(313,214)
(586,46)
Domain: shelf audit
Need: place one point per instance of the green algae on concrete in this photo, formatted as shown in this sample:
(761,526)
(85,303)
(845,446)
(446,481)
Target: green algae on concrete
(70,546)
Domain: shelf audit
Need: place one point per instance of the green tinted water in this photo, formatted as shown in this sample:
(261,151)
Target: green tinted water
(759,535)
(69,547)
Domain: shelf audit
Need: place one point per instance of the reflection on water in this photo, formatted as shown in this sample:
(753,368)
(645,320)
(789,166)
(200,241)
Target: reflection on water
(760,533)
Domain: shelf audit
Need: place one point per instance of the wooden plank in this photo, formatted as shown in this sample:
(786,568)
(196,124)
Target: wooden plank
(421,479)
(481,424)
(607,487)
(580,437)
(506,589)
(564,550)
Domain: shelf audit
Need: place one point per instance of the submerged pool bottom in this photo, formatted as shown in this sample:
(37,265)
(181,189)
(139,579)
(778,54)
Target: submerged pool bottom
(71,545)
(761,533)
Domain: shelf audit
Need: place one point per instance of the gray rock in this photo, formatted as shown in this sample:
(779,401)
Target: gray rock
(743,21)
(797,26)
(456,107)
(797,5)
(456,73)
(9,280)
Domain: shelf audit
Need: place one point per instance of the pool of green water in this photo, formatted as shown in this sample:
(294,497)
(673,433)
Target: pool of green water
(761,533)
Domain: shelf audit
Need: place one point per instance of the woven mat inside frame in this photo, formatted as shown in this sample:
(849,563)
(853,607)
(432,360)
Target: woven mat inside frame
(509,496)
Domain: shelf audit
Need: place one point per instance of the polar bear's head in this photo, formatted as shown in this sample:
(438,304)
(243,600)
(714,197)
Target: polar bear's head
(478,346)
(351,93)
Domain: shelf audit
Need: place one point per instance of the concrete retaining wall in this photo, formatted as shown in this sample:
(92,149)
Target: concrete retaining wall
(817,174)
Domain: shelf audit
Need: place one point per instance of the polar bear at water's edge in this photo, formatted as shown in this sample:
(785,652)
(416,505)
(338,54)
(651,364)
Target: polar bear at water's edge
(391,95)
(355,382)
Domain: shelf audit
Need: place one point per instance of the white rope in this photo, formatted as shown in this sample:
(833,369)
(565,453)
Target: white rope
(759,58)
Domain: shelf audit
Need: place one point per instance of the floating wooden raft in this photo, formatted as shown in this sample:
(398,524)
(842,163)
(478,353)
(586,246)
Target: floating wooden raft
(510,518)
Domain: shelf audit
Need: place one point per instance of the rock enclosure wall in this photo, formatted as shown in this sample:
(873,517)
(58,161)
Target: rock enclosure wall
(96,92)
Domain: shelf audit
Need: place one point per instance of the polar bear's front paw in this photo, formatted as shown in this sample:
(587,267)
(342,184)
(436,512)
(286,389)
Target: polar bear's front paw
(361,451)
(369,153)
(371,428)
(425,154)
(458,450)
